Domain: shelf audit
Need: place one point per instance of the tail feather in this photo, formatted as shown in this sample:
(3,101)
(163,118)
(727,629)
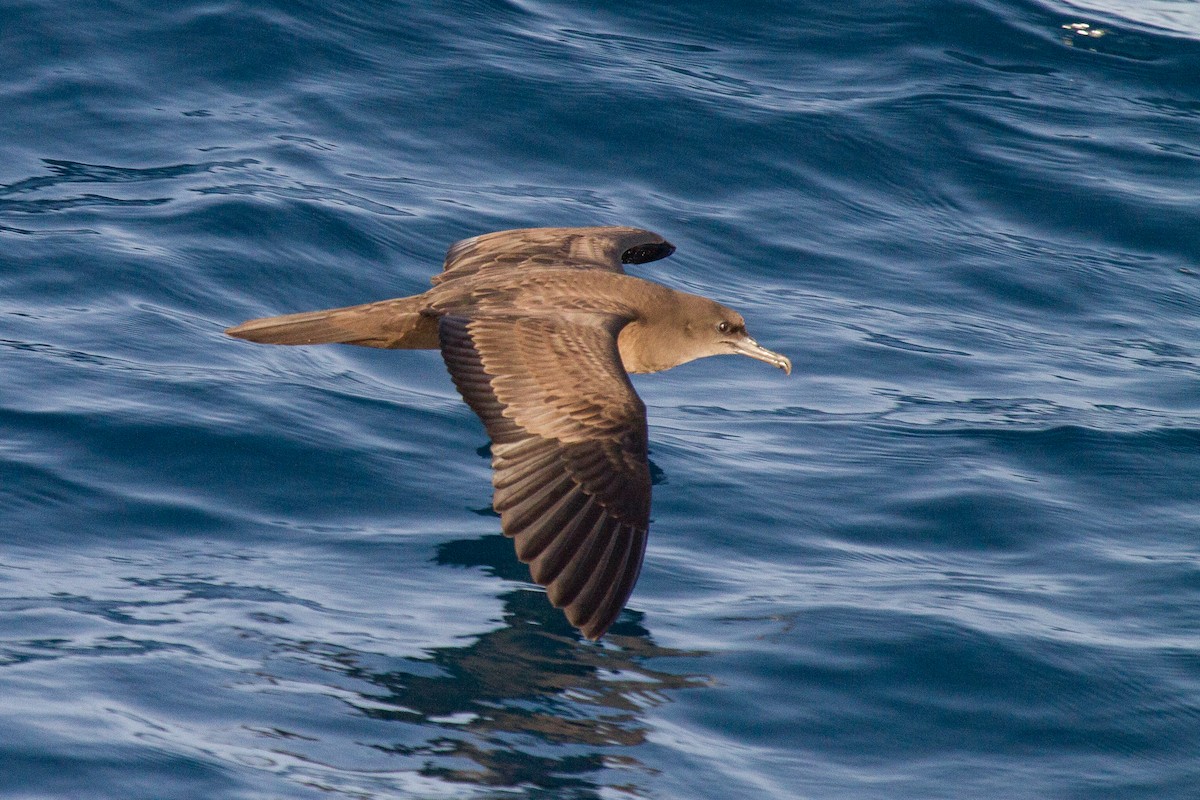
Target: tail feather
(394,324)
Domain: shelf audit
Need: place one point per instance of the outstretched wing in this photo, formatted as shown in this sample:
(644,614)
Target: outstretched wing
(527,249)
(571,479)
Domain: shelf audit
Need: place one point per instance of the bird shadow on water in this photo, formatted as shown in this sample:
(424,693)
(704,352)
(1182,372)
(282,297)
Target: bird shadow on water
(528,709)
(529,705)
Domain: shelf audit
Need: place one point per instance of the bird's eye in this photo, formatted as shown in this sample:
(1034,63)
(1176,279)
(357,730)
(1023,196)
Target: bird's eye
(723,326)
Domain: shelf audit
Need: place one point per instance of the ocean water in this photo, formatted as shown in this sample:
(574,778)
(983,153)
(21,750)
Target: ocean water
(956,554)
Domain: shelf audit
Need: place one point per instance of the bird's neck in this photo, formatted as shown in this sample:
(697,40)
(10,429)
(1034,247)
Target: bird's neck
(631,342)
(643,349)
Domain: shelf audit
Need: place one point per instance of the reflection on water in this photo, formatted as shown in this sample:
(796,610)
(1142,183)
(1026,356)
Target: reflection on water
(530,705)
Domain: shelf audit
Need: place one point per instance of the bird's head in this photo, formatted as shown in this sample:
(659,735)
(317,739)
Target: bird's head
(695,327)
(713,330)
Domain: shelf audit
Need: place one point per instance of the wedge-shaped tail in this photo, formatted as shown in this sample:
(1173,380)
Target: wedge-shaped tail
(393,324)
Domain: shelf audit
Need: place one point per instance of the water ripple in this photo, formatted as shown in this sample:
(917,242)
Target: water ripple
(953,554)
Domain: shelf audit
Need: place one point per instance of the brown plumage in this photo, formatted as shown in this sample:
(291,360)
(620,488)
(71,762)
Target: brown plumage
(539,328)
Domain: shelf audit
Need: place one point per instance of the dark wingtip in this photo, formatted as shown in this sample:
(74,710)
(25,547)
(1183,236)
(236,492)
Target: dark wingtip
(594,630)
(644,253)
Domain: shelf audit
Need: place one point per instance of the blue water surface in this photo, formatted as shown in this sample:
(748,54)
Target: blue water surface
(955,555)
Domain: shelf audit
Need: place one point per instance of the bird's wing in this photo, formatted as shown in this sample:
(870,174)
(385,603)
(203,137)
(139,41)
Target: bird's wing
(572,483)
(527,249)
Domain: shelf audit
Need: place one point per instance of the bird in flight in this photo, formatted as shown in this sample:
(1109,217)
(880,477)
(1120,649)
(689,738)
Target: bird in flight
(539,328)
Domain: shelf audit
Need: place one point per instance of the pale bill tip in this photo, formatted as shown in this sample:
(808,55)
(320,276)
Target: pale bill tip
(749,347)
